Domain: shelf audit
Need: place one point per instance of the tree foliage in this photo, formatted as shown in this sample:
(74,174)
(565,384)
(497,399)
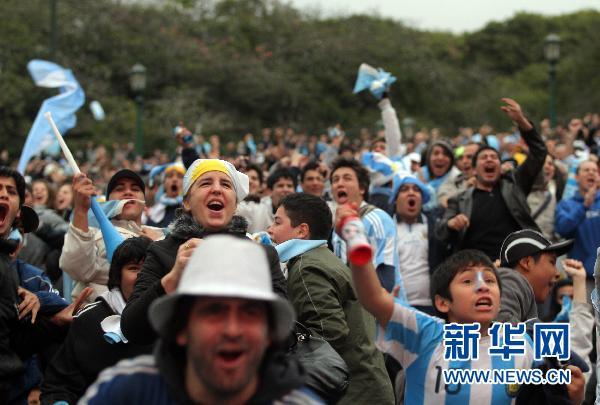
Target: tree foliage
(231,66)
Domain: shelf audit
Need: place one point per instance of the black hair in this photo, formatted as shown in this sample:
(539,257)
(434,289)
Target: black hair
(131,250)
(312,165)
(555,307)
(362,174)
(346,148)
(257,169)
(282,173)
(377,140)
(446,148)
(309,209)
(451,267)
(536,258)
(6,171)
(481,149)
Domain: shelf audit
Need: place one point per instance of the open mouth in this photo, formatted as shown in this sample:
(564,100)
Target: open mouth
(342,196)
(484,303)
(411,202)
(229,357)
(489,169)
(215,206)
(174,188)
(3,213)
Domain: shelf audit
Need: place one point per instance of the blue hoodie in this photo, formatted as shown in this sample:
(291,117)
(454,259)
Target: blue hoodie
(35,280)
(574,220)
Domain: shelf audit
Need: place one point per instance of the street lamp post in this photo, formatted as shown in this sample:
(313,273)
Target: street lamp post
(137,82)
(409,125)
(552,54)
(53,30)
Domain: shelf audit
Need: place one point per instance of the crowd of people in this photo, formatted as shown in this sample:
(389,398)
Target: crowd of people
(235,283)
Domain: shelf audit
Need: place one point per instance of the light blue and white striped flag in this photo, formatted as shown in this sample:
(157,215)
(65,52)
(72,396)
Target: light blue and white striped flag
(62,106)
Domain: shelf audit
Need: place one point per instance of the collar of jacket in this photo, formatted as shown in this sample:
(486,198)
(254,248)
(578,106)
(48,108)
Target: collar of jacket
(185,226)
(278,373)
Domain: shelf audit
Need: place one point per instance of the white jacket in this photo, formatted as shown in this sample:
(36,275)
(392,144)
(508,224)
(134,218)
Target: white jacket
(259,215)
(83,255)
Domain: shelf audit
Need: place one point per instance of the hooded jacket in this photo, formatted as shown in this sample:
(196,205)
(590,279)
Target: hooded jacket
(160,260)
(160,379)
(435,182)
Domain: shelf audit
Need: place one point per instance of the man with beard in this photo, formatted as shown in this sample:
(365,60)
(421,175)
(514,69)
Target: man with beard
(482,216)
(218,333)
(84,254)
(163,212)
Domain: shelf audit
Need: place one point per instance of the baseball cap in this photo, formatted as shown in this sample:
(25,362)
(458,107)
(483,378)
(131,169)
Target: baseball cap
(528,242)
(124,174)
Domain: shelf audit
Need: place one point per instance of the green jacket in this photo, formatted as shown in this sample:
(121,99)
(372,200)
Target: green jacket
(320,289)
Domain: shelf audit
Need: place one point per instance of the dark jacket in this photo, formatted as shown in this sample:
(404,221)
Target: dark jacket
(160,379)
(514,188)
(83,355)
(160,260)
(10,364)
(320,289)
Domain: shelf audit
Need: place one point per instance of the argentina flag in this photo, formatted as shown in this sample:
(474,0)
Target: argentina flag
(62,106)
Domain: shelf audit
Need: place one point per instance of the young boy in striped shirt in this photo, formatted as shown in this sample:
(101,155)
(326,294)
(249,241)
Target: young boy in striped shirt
(465,289)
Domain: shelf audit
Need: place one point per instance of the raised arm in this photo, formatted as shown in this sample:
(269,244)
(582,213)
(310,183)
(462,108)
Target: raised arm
(528,171)
(393,134)
(370,294)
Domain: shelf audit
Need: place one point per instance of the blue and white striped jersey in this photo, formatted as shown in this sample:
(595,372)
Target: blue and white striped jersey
(415,339)
(381,232)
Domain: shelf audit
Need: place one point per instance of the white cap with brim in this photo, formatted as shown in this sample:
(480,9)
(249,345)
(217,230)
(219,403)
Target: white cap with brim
(229,267)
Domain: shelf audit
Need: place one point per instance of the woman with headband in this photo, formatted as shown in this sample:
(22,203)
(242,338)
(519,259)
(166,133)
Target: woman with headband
(212,188)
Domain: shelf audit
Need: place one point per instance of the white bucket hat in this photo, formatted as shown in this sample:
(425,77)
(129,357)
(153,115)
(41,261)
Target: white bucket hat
(226,266)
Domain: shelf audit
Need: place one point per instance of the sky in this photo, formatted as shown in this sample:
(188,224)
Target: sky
(445,15)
